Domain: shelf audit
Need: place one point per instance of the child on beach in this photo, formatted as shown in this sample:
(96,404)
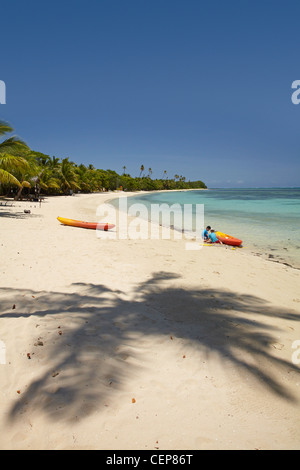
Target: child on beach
(212,238)
(205,233)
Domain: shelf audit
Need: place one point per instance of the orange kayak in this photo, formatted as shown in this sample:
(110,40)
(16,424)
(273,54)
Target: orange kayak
(80,223)
(228,239)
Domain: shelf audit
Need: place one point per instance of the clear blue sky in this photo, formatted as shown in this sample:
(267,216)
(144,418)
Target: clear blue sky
(197,88)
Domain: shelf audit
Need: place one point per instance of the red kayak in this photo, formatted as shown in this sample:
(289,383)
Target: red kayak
(90,225)
(228,239)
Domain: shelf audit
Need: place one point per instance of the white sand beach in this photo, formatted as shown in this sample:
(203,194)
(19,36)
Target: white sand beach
(141,344)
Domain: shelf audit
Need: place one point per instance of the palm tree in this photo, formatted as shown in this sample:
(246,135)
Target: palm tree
(68,175)
(44,172)
(150,172)
(142,169)
(30,175)
(12,152)
(124,169)
(54,163)
(47,181)
(83,179)
(40,158)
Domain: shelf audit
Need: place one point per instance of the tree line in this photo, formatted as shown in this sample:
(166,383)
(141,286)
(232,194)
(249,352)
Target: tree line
(24,171)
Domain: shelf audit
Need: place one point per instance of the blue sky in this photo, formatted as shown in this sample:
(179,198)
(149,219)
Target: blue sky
(198,88)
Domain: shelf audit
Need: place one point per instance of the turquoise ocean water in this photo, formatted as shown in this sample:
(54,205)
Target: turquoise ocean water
(266,220)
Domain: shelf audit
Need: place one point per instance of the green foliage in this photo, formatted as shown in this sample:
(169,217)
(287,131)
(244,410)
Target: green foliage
(12,158)
(21,167)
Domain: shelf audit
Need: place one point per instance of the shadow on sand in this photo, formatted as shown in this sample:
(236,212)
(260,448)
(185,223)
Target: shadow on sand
(88,360)
(16,215)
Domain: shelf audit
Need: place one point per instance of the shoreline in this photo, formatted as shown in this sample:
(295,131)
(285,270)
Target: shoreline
(266,253)
(109,196)
(111,343)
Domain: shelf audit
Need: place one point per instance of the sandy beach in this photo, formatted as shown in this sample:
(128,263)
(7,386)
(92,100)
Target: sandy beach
(141,344)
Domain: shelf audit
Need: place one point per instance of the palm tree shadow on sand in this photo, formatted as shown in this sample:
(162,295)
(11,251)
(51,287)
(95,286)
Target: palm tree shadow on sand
(84,365)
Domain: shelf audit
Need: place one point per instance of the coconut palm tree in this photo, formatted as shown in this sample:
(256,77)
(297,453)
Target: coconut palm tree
(54,163)
(10,164)
(68,175)
(44,172)
(12,152)
(86,178)
(142,169)
(30,175)
(47,181)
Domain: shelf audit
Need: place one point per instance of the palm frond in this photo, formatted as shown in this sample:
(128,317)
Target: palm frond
(25,184)
(13,145)
(52,183)
(5,128)
(12,162)
(8,178)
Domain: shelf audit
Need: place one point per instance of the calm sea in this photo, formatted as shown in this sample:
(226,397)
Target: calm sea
(267,220)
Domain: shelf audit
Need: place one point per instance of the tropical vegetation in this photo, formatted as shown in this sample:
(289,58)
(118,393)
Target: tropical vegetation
(25,172)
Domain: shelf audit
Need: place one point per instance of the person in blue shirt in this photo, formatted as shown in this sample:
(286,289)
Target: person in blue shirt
(205,233)
(213,238)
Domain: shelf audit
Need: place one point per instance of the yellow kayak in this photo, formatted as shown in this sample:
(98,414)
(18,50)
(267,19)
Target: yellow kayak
(80,223)
(228,239)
